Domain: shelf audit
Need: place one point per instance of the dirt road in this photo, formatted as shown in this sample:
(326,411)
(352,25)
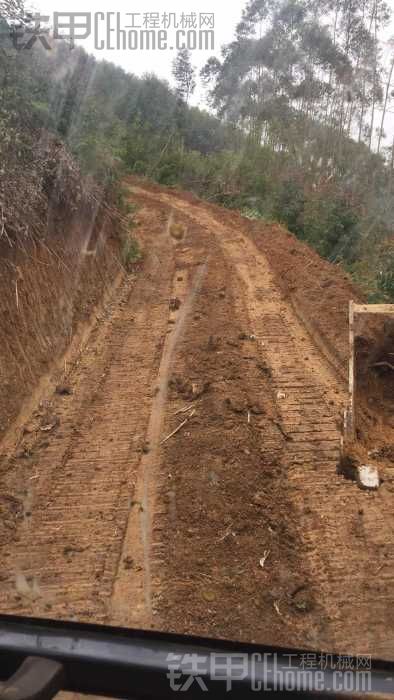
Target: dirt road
(183,475)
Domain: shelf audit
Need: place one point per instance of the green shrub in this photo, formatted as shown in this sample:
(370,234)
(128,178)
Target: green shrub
(131,252)
(251,213)
(288,206)
(331,226)
(385,278)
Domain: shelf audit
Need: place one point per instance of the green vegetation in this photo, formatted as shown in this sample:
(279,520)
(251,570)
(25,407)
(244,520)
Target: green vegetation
(300,97)
(131,252)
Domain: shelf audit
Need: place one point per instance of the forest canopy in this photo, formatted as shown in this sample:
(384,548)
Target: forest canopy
(295,130)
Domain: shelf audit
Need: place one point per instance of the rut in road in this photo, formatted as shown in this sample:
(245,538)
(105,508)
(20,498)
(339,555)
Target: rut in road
(77,489)
(236,526)
(343,535)
(137,542)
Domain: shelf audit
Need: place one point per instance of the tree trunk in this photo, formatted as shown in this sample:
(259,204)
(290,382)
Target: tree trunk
(386,97)
(374,86)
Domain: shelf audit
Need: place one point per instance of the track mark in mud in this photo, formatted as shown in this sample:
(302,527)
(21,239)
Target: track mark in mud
(135,584)
(341,533)
(77,481)
(106,522)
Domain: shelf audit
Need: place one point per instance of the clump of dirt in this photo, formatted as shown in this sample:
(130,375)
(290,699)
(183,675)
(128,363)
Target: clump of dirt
(177,231)
(386,452)
(189,389)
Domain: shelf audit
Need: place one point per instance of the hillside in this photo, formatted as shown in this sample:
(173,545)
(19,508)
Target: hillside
(174,332)
(194,433)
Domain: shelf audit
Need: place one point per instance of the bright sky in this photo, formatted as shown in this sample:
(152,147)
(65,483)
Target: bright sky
(226,16)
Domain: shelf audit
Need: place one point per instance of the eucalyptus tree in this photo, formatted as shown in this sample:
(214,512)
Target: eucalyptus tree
(280,63)
(184,74)
(387,95)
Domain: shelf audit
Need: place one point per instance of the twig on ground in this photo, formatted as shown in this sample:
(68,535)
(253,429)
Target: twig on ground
(276,606)
(226,534)
(178,428)
(264,558)
(184,409)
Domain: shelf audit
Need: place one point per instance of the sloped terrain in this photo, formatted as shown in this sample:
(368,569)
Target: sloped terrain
(59,254)
(183,475)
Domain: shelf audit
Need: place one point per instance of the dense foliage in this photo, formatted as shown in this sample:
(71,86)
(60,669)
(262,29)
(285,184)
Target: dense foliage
(300,96)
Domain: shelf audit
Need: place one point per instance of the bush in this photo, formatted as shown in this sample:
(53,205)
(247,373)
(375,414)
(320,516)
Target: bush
(331,227)
(385,278)
(131,252)
(289,206)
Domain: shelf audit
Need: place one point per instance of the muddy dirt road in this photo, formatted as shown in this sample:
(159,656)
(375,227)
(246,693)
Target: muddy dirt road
(183,474)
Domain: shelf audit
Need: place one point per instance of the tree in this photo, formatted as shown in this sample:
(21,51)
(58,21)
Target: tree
(184,74)
(12,9)
(386,98)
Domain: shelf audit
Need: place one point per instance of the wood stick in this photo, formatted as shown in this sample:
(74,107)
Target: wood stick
(373,308)
(184,409)
(176,429)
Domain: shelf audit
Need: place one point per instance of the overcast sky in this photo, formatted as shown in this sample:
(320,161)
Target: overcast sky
(226,16)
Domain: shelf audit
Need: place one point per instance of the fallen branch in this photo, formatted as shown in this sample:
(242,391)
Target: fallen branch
(177,429)
(282,430)
(184,409)
(226,534)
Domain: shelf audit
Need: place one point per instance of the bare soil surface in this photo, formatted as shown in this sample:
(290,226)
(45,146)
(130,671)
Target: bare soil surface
(183,475)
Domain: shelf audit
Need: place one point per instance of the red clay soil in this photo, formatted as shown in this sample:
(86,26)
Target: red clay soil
(336,531)
(320,293)
(183,476)
(48,289)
